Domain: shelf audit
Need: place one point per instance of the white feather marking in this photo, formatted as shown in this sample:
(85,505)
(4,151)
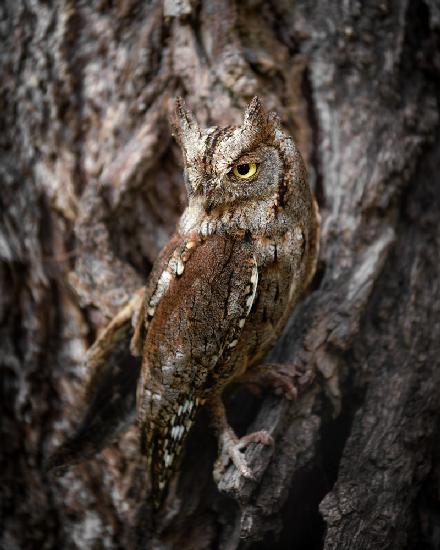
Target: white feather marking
(169,457)
(254,280)
(179,267)
(204,228)
(162,286)
(233,344)
(165,277)
(177,432)
(241,322)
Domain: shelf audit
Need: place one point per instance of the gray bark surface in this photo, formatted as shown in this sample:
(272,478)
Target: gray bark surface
(91,189)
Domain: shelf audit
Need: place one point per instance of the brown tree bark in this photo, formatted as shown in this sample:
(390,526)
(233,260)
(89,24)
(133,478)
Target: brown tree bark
(91,188)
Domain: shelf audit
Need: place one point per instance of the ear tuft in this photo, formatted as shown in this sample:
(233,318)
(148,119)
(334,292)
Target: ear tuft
(254,113)
(184,123)
(255,120)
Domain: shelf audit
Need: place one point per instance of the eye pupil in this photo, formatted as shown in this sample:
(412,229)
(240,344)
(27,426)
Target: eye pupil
(243,169)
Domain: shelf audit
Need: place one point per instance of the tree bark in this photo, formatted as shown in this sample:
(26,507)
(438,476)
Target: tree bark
(92,187)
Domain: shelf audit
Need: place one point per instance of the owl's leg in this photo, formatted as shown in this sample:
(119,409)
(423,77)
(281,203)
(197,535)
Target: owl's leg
(283,379)
(231,446)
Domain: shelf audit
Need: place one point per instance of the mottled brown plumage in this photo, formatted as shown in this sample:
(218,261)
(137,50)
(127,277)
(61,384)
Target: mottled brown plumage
(223,288)
(217,298)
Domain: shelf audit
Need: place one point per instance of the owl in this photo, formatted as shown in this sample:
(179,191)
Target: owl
(220,292)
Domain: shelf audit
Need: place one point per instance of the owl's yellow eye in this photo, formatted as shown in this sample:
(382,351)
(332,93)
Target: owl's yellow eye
(245,171)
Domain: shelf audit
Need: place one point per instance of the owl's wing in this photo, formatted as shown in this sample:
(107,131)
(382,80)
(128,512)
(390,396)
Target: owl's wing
(195,321)
(109,405)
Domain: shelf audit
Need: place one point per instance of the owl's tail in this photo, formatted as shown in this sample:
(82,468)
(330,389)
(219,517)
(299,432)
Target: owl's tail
(162,442)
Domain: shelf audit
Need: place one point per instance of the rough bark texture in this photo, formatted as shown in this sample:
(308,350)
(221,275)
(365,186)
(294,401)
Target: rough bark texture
(91,188)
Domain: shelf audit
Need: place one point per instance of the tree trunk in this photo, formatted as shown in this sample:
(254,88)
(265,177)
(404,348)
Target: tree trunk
(91,190)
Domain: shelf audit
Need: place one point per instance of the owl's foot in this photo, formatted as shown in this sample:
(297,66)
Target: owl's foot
(231,446)
(282,379)
(231,450)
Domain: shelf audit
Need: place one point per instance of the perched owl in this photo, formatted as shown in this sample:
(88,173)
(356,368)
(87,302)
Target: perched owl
(220,292)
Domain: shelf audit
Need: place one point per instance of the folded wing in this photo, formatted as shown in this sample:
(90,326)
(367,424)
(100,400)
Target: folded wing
(192,345)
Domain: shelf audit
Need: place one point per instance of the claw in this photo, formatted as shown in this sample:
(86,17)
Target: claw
(231,446)
(231,450)
(262,437)
(282,379)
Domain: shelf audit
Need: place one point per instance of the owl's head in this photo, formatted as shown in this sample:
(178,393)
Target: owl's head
(228,166)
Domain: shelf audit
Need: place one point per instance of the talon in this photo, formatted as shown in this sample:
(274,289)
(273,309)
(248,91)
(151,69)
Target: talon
(230,446)
(283,385)
(276,376)
(239,461)
(262,437)
(232,450)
